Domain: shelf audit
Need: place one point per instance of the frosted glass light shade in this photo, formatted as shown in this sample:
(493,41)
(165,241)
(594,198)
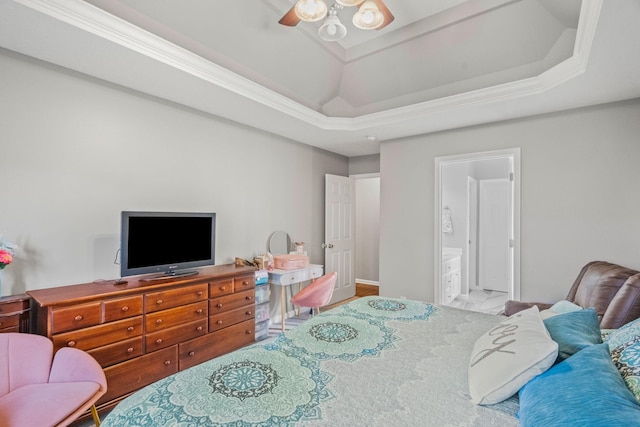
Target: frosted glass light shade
(311,10)
(332,29)
(349,2)
(368,17)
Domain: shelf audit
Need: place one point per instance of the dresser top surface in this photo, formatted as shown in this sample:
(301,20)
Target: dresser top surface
(108,288)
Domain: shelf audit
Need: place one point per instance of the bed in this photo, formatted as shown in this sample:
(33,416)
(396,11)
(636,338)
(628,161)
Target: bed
(374,361)
(384,362)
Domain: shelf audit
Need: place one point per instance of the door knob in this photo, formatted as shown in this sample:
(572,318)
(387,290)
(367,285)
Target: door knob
(327,245)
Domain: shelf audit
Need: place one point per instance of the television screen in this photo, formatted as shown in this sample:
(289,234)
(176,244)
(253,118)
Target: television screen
(166,242)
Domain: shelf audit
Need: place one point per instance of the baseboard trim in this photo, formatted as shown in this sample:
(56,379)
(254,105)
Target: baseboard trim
(368,282)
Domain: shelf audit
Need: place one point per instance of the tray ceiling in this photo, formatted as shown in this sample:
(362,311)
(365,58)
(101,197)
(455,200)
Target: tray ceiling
(439,65)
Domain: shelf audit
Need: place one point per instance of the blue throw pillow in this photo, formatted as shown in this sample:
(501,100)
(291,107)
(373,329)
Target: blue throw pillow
(574,331)
(583,390)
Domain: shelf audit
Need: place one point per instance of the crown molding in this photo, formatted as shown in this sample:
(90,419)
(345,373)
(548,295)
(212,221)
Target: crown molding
(106,26)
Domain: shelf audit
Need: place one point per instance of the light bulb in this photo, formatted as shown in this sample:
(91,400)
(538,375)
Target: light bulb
(308,7)
(368,17)
(331,29)
(311,10)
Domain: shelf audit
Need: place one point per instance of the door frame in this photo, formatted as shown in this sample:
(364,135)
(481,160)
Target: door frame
(472,216)
(512,153)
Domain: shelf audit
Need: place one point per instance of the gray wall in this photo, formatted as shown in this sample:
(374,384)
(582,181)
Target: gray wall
(579,190)
(364,164)
(367,230)
(75,151)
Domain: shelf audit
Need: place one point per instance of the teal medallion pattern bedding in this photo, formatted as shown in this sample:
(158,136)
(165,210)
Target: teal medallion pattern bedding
(374,362)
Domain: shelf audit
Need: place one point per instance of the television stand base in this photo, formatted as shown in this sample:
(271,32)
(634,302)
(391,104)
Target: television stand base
(170,275)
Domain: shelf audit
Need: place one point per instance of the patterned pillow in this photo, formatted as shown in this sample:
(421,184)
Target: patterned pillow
(508,356)
(624,344)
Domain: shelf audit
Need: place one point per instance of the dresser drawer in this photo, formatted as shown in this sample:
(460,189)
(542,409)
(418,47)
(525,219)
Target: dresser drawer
(119,352)
(234,337)
(98,336)
(13,306)
(172,336)
(75,317)
(131,375)
(244,283)
(175,297)
(121,308)
(231,317)
(220,287)
(229,302)
(11,321)
(195,351)
(175,316)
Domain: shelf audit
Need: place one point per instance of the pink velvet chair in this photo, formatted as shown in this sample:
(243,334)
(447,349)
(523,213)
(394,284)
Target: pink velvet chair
(40,389)
(318,293)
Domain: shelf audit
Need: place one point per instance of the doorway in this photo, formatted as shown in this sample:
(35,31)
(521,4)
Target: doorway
(477,224)
(352,232)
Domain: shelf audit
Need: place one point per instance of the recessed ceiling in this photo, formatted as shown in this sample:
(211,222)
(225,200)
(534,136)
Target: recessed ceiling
(439,64)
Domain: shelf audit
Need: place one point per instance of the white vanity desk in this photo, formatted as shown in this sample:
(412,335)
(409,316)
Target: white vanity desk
(284,278)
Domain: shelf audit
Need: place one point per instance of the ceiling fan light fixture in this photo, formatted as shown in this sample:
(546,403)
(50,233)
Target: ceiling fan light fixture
(332,29)
(368,17)
(349,3)
(311,10)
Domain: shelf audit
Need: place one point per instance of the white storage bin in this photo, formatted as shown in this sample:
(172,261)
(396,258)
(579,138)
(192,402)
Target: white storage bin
(262,294)
(262,312)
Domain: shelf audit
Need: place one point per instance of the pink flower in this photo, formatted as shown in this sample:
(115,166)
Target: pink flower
(5,258)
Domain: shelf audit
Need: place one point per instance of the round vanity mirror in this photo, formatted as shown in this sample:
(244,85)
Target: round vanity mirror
(279,243)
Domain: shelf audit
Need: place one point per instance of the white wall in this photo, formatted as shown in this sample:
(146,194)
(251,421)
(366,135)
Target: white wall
(579,192)
(74,152)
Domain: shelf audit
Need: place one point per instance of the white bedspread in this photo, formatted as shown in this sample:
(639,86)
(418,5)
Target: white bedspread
(373,362)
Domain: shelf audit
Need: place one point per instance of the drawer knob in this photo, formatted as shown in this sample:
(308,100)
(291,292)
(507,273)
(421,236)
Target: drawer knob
(249,313)
(78,318)
(219,322)
(223,288)
(159,302)
(199,293)
(245,283)
(125,308)
(199,328)
(71,344)
(192,353)
(159,341)
(219,305)
(199,311)
(159,321)
(248,298)
(167,362)
(130,350)
(248,332)
(130,329)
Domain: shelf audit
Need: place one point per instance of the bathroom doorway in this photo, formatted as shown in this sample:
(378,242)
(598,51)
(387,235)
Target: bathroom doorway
(477,222)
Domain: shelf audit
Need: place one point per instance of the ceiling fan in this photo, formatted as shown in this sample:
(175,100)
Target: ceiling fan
(371,14)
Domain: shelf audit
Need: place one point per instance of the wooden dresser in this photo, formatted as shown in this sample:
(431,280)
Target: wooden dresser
(14,313)
(143,331)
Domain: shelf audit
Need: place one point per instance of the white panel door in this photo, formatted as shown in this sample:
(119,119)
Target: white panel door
(494,243)
(339,243)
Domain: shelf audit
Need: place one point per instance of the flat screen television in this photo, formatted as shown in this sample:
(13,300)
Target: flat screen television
(169,243)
